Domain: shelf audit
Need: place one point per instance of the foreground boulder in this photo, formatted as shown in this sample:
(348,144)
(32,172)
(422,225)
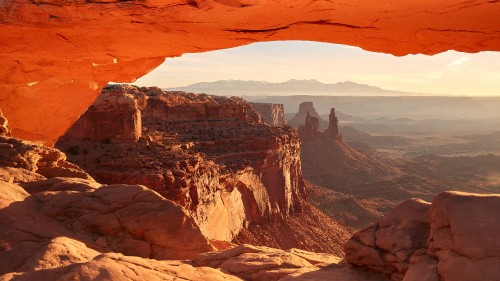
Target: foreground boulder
(455,238)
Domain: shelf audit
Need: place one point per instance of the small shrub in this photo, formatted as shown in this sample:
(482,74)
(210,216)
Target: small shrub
(73,150)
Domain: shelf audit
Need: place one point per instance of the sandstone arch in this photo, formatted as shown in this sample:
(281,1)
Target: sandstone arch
(57,54)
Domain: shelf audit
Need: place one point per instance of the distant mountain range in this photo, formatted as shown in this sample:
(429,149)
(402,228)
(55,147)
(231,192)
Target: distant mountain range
(290,87)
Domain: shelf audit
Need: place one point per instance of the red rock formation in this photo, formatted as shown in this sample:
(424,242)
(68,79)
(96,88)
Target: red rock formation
(128,219)
(72,228)
(456,239)
(114,116)
(212,155)
(274,114)
(57,55)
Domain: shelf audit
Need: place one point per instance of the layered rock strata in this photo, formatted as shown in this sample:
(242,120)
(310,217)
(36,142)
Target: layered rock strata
(454,238)
(67,228)
(213,155)
(273,114)
(128,219)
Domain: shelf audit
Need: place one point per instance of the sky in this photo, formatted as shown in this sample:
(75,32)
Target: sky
(449,73)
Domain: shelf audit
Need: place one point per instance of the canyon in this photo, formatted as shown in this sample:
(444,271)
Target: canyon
(217,157)
(64,217)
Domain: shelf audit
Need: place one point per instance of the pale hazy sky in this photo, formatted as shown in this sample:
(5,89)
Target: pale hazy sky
(449,73)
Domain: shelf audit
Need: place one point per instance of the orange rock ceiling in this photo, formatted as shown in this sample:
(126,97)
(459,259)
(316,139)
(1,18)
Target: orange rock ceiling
(56,55)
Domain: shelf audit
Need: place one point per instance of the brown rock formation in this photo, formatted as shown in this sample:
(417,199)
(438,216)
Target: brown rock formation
(57,55)
(328,161)
(307,109)
(333,126)
(273,114)
(453,240)
(310,129)
(212,155)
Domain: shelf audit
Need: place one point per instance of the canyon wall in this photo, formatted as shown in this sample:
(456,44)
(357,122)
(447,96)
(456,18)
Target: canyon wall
(58,55)
(274,114)
(213,155)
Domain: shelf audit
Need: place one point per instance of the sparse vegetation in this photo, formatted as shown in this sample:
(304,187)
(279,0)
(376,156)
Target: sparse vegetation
(73,150)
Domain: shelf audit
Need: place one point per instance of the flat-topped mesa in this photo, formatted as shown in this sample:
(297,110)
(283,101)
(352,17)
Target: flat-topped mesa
(181,106)
(333,126)
(212,155)
(274,114)
(307,108)
(310,129)
(115,115)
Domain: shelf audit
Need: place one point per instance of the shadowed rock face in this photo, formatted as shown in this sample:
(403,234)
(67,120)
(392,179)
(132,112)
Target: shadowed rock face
(58,55)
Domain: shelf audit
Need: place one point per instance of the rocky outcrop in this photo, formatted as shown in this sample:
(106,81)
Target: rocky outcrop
(329,162)
(212,155)
(45,90)
(387,245)
(273,114)
(310,129)
(115,116)
(35,161)
(114,217)
(307,109)
(262,263)
(4,126)
(452,239)
(333,126)
(76,229)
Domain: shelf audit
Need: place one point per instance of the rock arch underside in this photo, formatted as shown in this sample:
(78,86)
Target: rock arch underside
(57,55)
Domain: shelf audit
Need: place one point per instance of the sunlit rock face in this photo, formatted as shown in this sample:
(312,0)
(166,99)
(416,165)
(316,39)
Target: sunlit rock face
(215,156)
(454,238)
(57,55)
(273,114)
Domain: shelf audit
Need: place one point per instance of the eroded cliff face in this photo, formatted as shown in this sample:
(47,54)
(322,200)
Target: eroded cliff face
(273,114)
(64,225)
(212,155)
(58,55)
